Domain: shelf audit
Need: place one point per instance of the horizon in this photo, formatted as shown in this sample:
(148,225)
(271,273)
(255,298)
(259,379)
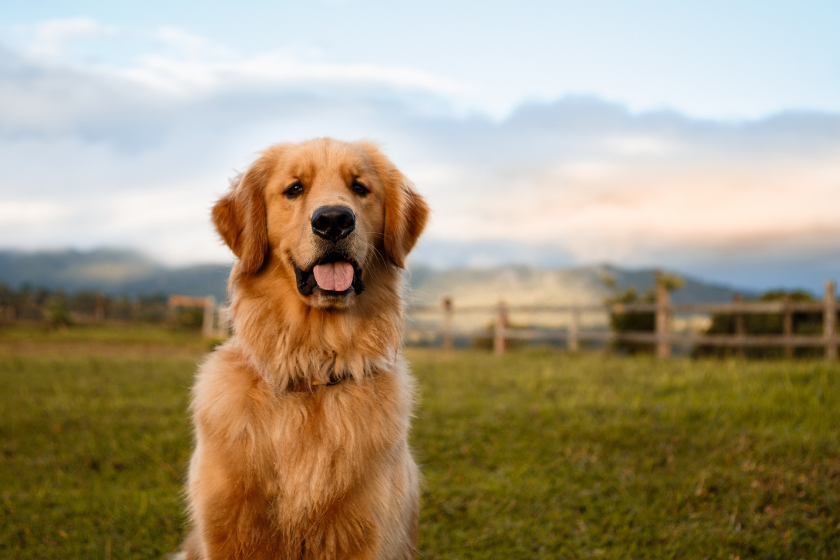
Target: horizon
(414,264)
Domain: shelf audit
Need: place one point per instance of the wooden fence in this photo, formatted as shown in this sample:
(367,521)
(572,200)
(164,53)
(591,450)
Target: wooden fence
(100,310)
(663,338)
(216,321)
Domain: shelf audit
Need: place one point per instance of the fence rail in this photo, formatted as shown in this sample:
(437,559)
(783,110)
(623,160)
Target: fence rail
(663,338)
(735,307)
(216,321)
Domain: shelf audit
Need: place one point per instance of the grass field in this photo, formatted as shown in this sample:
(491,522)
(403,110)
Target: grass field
(535,455)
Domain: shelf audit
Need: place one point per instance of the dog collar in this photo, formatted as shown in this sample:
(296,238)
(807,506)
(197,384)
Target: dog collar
(301,386)
(298,385)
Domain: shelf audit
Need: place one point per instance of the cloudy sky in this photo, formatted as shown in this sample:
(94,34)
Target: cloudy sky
(703,138)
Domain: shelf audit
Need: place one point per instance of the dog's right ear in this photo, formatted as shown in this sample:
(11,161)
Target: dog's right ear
(239,216)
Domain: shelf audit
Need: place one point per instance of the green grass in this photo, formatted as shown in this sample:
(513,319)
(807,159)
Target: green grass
(93,456)
(541,455)
(535,455)
(94,340)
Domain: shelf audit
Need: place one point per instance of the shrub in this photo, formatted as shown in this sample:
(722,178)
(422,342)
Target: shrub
(804,323)
(636,321)
(58,310)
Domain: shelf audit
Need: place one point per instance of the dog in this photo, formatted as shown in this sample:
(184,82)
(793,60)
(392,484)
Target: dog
(302,417)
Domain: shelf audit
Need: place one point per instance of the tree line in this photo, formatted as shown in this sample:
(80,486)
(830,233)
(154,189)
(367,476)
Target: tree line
(38,305)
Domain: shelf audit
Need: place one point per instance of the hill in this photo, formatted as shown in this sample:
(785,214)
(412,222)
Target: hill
(112,271)
(521,285)
(120,272)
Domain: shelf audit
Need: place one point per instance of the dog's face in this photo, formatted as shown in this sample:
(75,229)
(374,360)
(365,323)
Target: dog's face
(326,212)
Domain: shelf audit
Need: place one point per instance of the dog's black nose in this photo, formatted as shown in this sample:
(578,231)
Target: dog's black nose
(333,222)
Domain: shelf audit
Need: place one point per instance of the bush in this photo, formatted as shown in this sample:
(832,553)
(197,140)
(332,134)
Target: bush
(58,310)
(804,323)
(632,322)
(488,342)
(636,321)
(189,317)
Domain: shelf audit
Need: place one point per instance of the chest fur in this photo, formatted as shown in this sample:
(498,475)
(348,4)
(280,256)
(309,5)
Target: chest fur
(301,450)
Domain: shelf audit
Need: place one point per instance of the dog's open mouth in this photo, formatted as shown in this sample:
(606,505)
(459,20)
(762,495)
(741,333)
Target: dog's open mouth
(333,275)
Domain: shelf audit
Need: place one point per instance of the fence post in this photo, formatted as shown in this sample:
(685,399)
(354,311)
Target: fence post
(788,327)
(171,310)
(98,307)
(738,299)
(829,321)
(574,326)
(499,342)
(663,321)
(209,312)
(223,326)
(447,323)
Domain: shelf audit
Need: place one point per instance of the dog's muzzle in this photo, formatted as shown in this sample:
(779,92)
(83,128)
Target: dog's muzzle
(331,272)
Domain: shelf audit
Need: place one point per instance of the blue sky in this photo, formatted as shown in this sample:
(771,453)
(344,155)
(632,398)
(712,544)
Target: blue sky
(721,59)
(702,136)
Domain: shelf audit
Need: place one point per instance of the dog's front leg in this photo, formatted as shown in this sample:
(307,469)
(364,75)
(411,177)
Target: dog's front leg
(230,515)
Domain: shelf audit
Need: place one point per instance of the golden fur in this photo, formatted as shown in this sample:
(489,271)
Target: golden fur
(325,472)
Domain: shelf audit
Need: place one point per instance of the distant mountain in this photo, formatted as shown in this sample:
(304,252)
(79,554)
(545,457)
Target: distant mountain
(120,272)
(522,285)
(112,271)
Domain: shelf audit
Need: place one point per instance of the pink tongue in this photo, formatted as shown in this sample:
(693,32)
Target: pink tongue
(335,277)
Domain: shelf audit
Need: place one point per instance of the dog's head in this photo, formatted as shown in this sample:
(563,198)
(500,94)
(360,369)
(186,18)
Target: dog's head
(323,214)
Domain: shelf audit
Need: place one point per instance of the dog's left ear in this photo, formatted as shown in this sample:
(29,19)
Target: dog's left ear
(405,219)
(406,213)
(239,216)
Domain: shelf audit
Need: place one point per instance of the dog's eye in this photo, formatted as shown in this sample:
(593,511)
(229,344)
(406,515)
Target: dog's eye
(359,188)
(294,190)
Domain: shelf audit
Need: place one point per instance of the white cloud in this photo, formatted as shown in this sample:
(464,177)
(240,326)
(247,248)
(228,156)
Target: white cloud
(638,145)
(51,38)
(28,215)
(609,211)
(201,75)
(188,41)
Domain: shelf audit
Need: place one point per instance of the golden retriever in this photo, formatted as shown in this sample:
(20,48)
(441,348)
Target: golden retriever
(302,417)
